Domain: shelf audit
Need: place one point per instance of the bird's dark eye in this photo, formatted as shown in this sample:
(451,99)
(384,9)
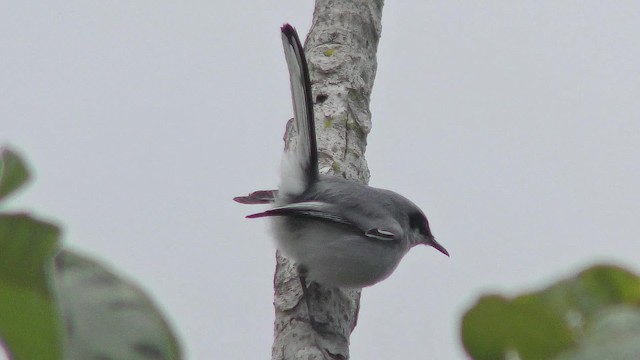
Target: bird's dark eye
(417,221)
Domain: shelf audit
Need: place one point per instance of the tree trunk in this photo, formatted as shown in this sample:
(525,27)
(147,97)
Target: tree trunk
(341,51)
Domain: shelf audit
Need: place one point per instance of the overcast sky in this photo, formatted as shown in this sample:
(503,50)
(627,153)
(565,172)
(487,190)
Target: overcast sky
(515,126)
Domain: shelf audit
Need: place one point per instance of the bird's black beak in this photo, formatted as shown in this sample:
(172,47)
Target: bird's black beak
(437,246)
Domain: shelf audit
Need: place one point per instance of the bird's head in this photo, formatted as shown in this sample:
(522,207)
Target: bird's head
(421,232)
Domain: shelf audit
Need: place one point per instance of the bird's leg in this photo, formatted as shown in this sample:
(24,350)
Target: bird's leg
(302,275)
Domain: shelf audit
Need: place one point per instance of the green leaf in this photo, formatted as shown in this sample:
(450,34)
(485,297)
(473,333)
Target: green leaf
(496,326)
(13,172)
(544,324)
(108,317)
(30,325)
(612,334)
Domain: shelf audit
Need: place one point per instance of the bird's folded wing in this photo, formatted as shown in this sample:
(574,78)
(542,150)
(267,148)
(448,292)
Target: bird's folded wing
(312,209)
(327,212)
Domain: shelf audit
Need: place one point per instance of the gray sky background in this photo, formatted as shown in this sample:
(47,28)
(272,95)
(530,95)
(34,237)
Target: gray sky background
(514,125)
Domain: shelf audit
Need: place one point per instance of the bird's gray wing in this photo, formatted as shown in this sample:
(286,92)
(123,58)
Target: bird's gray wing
(313,209)
(369,209)
(327,212)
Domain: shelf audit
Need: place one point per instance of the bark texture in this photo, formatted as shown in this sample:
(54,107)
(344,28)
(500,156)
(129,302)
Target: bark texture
(341,51)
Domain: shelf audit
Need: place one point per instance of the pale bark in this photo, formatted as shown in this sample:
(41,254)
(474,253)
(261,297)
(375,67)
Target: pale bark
(341,51)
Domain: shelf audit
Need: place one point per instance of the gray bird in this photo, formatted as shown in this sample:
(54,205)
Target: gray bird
(339,233)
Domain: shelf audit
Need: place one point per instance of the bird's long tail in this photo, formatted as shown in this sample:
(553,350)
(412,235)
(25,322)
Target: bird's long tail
(299,167)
